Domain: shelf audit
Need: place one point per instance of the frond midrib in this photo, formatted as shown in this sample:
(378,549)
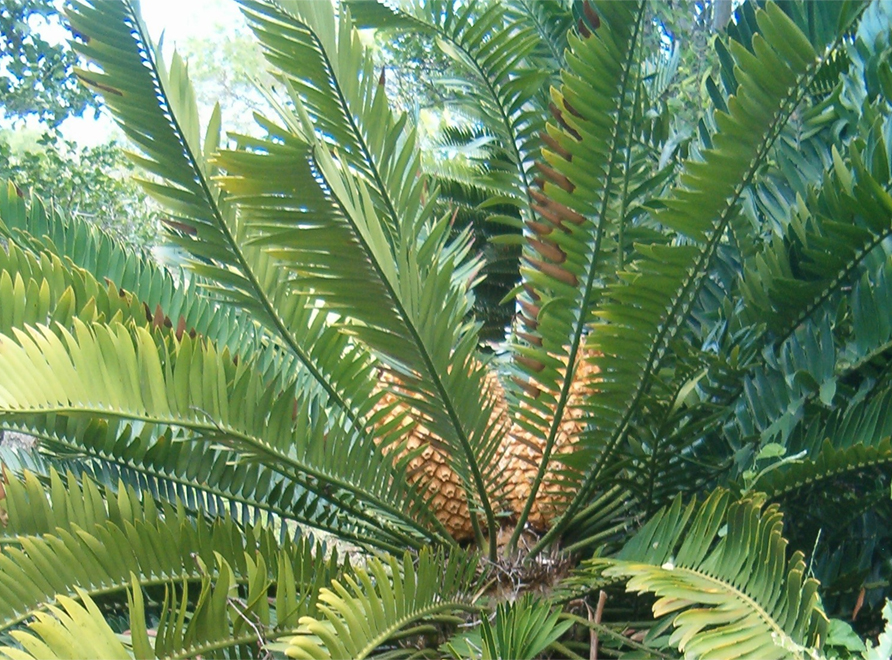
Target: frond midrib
(395,299)
(409,617)
(832,285)
(434,375)
(268,307)
(358,136)
(109,587)
(777,632)
(494,97)
(212,428)
(581,321)
(284,515)
(198,650)
(543,33)
(684,300)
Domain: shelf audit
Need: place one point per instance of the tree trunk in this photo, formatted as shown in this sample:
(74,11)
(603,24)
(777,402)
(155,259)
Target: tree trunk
(721,14)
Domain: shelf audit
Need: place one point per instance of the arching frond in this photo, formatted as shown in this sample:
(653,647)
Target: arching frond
(60,540)
(44,291)
(167,297)
(73,630)
(156,109)
(221,620)
(170,465)
(641,314)
(110,371)
(522,629)
(506,91)
(829,235)
(830,464)
(389,601)
(369,246)
(564,253)
(719,571)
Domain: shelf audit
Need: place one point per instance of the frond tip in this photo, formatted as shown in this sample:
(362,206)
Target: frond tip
(70,631)
(722,573)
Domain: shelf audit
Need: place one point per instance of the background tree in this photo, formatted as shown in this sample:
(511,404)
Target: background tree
(36,75)
(93,183)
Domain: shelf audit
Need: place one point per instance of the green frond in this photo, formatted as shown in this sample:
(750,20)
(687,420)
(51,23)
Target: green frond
(830,464)
(156,109)
(806,375)
(73,630)
(115,372)
(849,440)
(394,274)
(38,288)
(639,315)
(562,260)
(224,617)
(220,620)
(174,298)
(65,537)
(552,20)
(522,629)
(170,465)
(44,291)
(720,572)
(801,372)
(391,600)
(829,235)
(507,87)
(313,50)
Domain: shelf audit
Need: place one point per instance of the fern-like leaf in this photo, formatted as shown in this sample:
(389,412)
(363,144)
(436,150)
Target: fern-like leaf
(720,572)
(391,600)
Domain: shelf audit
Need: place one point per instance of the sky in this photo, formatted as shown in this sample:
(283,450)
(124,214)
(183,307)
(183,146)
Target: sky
(179,19)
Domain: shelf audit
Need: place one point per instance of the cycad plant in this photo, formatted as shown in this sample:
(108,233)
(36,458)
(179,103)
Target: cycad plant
(296,444)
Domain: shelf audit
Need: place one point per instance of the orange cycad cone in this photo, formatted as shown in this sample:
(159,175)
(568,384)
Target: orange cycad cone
(520,456)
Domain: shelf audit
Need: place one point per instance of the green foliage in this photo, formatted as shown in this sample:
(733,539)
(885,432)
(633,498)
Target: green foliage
(89,182)
(696,384)
(73,631)
(721,571)
(35,75)
(388,601)
(523,629)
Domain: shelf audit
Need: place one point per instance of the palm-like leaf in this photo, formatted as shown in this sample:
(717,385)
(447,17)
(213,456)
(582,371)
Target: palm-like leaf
(559,288)
(826,240)
(390,601)
(701,563)
(156,109)
(220,621)
(168,298)
(70,631)
(497,45)
(642,313)
(60,539)
(523,630)
(404,286)
(39,288)
(108,370)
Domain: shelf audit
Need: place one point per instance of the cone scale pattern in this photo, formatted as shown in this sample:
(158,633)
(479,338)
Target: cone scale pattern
(520,455)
